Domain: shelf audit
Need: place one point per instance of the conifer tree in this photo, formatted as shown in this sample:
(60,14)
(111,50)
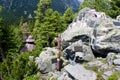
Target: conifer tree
(67,18)
(50,27)
(115,8)
(42,6)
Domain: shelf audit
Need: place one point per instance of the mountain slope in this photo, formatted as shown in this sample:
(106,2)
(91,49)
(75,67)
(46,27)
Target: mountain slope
(18,8)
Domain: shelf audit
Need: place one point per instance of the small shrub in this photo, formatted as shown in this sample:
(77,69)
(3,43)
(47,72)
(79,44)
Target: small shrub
(99,75)
(32,77)
(94,68)
(52,78)
(102,60)
(114,76)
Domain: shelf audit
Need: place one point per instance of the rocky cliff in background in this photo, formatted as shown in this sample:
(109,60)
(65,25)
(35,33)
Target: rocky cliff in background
(18,8)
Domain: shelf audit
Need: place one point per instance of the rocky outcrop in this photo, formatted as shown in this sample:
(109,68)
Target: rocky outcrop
(106,37)
(75,48)
(47,60)
(100,32)
(90,48)
(80,73)
(117,62)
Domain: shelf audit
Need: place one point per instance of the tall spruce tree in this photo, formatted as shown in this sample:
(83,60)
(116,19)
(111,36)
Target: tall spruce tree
(42,6)
(50,27)
(67,18)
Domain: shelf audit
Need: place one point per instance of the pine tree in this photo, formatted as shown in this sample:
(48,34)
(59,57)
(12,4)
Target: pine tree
(115,8)
(67,18)
(50,27)
(21,21)
(43,5)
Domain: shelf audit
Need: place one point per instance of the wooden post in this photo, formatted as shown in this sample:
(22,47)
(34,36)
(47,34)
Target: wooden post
(58,68)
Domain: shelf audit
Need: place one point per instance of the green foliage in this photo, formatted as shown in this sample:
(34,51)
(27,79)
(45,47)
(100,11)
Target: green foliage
(50,27)
(33,77)
(93,68)
(110,7)
(96,4)
(103,60)
(67,18)
(21,21)
(11,38)
(40,12)
(99,75)
(49,23)
(17,66)
(114,76)
(0,8)
(115,8)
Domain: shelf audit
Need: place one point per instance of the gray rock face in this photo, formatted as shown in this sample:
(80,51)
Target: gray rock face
(95,63)
(80,73)
(105,67)
(117,62)
(44,61)
(118,18)
(117,68)
(64,76)
(106,37)
(118,56)
(76,48)
(96,30)
(110,58)
(107,74)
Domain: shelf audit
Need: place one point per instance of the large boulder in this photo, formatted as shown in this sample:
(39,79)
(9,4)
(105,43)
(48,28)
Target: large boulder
(110,57)
(97,30)
(80,50)
(83,25)
(78,72)
(47,60)
(117,62)
(106,37)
